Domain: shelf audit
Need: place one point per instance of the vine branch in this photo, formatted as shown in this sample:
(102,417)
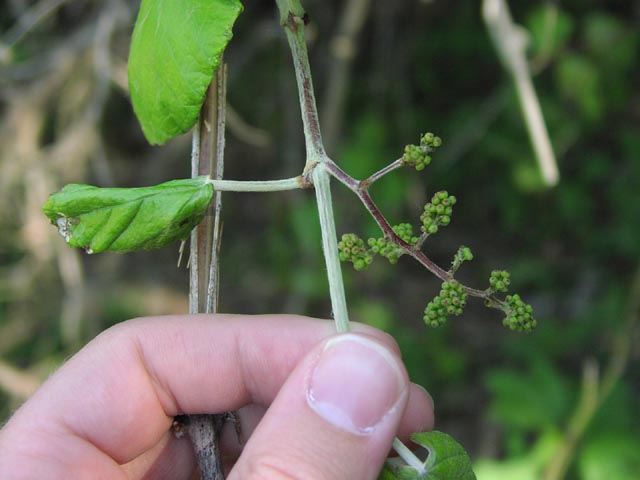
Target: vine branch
(361,189)
(213,282)
(311,125)
(206,159)
(316,161)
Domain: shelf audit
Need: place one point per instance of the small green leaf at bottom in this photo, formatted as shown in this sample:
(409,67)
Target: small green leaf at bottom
(447,460)
(128,219)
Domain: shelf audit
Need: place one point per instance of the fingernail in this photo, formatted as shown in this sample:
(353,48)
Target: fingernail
(355,384)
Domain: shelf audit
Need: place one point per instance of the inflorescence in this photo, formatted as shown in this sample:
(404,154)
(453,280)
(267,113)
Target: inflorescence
(499,281)
(437,213)
(351,248)
(450,301)
(519,315)
(417,156)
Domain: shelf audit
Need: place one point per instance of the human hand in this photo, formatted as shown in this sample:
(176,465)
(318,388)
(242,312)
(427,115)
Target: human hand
(320,405)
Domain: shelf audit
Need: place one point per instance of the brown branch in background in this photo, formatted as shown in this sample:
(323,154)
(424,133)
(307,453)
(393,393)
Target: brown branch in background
(596,391)
(343,49)
(510,42)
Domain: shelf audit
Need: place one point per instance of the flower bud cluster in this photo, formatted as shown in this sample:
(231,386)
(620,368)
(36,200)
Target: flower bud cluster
(463,254)
(450,301)
(418,156)
(519,315)
(499,280)
(352,249)
(437,212)
(390,250)
(429,140)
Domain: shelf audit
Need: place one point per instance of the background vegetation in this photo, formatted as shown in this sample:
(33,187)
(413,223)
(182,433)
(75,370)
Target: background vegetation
(566,395)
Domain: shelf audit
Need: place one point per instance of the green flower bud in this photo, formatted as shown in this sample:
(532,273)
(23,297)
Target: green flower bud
(450,301)
(418,156)
(518,315)
(437,212)
(499,280)
(351,248)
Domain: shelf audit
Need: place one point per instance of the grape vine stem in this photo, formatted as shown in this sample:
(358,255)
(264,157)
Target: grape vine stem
(316,161)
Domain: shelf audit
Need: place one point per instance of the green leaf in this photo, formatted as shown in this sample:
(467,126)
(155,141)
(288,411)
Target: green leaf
(447,460)
(610,455)
(515,396)
(127,219)
(399,472)
(529,466)
(175,51)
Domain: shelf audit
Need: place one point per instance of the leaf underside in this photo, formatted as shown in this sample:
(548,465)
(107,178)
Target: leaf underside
(175,51)
(127,219)
(447,460)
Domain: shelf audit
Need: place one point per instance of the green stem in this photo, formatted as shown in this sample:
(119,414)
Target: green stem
(311,124)
(258,186)
(408,456)
(321,180)
(289,8)
(316,161)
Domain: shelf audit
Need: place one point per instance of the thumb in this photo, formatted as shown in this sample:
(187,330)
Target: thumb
(334,418)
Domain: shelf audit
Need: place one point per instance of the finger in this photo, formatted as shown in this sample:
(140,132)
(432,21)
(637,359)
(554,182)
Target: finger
(335,417)
(418,417)
(169,459)
(419,414)
(120,392)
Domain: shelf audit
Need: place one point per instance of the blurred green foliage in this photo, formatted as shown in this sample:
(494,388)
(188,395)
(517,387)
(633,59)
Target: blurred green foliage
(420,66)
